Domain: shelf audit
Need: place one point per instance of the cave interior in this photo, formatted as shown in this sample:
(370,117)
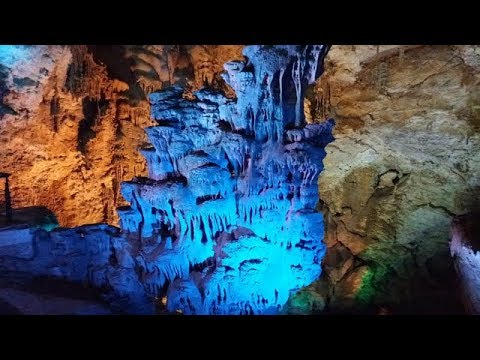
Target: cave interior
(239,180)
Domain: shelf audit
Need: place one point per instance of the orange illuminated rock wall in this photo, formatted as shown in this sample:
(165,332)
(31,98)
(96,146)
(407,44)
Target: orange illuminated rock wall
(73,131)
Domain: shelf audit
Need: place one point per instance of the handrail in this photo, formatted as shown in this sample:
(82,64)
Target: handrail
(7,204)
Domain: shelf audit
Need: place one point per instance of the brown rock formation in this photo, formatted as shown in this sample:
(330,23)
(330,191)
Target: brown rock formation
(208,63)
(65,144)
(72,121)
(403,163)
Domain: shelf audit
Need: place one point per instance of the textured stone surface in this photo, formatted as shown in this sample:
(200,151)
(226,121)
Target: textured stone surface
(227,219)
(403,163)
(337,262)
(305,302)
(227,216)
(16,241)
(72,119)
(405,160)
(66,142)
(347,289)
(93,255)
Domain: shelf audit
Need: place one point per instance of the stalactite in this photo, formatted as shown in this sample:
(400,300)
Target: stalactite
(280,80)
(85,77)
(231,199)
(296,77)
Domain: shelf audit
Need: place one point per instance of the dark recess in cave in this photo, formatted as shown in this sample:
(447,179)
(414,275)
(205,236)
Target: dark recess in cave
(471,225)
(113,57)
(92,110)
(4,109)
(24,82)
(118,67)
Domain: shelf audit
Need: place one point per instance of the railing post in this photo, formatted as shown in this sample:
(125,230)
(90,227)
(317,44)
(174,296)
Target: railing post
(8,202)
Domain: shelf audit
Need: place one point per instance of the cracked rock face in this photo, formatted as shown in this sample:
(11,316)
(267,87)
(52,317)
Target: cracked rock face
(404,162)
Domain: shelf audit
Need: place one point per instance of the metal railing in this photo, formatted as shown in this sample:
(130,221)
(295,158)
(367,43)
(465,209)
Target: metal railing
(5,199)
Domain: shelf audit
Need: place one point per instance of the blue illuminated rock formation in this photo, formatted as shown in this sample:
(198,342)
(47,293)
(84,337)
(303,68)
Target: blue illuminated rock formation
(97,255)
(227,216)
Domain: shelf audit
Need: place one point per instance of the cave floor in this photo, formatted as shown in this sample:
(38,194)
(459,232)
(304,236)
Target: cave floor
(23,295)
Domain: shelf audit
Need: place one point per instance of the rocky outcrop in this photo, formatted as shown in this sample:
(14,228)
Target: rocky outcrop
(193,66)
(208,64)
(402,165)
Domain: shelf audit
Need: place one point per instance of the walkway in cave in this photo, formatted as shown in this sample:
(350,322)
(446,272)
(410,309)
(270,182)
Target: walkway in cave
(47,296)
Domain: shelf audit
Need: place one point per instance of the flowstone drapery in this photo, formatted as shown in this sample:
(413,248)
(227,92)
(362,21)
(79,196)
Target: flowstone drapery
(226,221)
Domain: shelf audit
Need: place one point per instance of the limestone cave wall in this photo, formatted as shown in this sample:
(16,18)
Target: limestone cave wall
(72,119)
(404,162)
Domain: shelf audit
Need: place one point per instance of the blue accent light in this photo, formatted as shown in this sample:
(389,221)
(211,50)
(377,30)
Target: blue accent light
(226,218)
(10,54)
